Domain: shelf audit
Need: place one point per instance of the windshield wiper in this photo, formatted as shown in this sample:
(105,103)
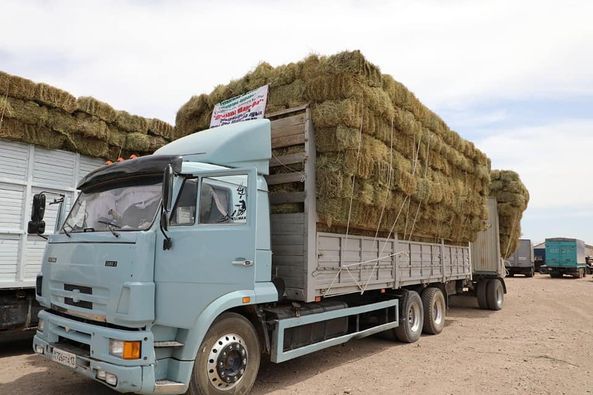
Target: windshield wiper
(110,226)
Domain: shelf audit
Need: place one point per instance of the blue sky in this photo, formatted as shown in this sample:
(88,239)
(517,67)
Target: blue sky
(516,77)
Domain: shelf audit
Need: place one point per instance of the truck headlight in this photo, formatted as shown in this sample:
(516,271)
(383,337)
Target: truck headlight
(125,349)
(40,325)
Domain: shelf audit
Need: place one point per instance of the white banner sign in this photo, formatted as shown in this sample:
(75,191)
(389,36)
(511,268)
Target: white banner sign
(241,108)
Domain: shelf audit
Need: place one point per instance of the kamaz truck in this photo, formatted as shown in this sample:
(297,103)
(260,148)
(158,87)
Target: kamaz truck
(565,256)
(173,272)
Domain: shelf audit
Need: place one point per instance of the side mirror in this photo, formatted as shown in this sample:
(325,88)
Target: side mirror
(37,225)
(38,210)
(167,197)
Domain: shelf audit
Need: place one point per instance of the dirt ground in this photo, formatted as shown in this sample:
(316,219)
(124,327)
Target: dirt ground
(541,342)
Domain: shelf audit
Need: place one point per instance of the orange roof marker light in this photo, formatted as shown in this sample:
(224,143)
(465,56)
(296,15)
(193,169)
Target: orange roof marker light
(108,163)
(120,159)
(133,156)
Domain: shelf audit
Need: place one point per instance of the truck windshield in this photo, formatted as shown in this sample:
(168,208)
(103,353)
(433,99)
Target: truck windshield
(124,208)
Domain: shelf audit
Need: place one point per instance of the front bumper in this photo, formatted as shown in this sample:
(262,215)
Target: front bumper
(90,344)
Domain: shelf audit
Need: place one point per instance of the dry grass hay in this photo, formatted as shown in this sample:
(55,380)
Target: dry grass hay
(379,149)
(87,146)
(95,107)
(137,142)
(55,97)
(131,123)
(17,87)
(27,112)
(512,197)
(160,128)
(13,129)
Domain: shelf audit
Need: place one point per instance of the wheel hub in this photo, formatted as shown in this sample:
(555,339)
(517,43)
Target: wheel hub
(414,318)
(227,361)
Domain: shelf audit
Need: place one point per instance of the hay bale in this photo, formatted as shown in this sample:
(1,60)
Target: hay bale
(13,129)
(16,87)
(91,126)
(131,123)
(137,142)
(55,97)
(27,112)
(160,128)
(95,107)
(87,146)
(5,108)
(117,137)
(512,199)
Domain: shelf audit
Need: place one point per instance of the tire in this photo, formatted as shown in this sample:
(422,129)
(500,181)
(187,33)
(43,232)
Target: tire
(511,274)
(411,319)
(481,294)
(555,274)
(233,335)
(435,309)
(530,273)
(494,294)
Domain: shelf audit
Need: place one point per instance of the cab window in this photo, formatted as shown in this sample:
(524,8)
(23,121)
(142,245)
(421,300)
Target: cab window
(184,212)
(223,200)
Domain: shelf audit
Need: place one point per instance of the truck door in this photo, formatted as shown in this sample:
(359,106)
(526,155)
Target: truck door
(213,230)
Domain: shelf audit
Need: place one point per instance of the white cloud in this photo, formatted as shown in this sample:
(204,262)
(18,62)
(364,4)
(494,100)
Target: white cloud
(554,162)
(149,57)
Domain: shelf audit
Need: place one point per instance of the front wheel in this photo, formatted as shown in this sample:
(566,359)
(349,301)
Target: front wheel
(228,359)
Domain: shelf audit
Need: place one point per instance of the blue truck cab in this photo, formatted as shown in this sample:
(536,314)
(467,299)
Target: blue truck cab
(179,271)
(127,275)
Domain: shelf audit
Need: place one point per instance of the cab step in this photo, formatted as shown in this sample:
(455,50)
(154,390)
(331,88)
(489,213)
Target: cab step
(168,387)
(168,344)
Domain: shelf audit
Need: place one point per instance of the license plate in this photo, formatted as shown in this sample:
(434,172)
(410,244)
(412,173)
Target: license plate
(64,358)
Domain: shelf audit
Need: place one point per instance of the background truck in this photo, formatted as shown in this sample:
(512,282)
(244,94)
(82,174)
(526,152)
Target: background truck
(565,256)
(170,273)
(25,171)
(521,262)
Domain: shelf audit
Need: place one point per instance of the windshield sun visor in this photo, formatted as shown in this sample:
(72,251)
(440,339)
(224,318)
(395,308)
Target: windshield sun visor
(151,166)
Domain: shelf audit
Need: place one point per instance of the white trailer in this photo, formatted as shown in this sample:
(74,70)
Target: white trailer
(25,170)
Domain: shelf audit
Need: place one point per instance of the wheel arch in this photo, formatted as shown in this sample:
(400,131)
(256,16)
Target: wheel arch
(231,302)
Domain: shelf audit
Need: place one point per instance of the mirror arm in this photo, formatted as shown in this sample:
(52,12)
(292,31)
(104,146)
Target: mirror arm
(167,242)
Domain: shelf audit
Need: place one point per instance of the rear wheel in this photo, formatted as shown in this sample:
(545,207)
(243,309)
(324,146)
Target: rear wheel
(481,294)
(435,310)
(228,358)
(494,294)
(411,319)
(530,273)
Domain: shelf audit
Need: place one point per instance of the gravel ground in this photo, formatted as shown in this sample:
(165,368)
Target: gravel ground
(541,342)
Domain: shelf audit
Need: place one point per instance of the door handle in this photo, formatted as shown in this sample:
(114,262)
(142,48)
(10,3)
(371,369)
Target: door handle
(242,262)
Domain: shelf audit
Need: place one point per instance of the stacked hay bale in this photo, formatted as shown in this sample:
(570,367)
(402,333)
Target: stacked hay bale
(384,160)
(41,114)
(512,197)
